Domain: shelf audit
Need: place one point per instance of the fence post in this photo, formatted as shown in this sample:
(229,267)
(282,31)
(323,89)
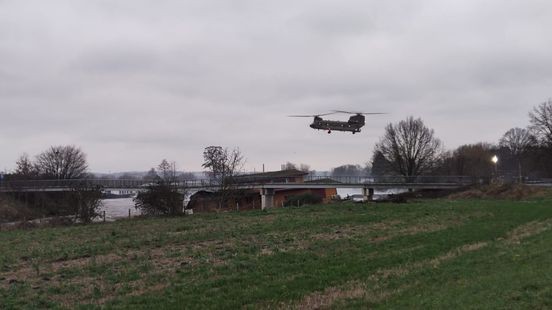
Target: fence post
(104,216)
(128,213)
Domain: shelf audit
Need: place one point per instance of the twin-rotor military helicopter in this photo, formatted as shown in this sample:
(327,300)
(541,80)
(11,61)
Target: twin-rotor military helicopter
(355,122)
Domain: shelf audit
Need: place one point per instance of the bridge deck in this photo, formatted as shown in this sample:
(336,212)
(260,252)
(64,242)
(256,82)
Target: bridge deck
(433,182)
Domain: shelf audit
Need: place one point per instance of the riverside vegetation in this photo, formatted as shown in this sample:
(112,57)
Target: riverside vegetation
(461,253)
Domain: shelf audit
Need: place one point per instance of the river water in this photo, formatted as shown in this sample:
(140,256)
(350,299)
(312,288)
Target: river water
(118,208)
(378,194)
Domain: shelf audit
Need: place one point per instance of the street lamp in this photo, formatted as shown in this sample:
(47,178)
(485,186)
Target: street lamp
(495,162)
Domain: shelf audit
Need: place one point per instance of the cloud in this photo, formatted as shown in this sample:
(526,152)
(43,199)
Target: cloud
(133,82)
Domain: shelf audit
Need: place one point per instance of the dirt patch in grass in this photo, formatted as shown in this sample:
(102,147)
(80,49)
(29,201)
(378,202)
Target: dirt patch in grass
(411,231)
(326,298)
(383,230)
(457,252)
(374,233)
(89,290)
(404,270)
(527,230)
(371,292)
(513,237)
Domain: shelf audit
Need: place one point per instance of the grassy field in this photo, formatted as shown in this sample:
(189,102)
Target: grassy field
(427,254)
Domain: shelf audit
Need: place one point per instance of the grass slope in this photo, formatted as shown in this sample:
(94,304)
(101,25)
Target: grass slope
(429,254)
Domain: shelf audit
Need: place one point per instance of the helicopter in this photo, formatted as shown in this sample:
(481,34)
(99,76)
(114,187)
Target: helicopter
(355,122)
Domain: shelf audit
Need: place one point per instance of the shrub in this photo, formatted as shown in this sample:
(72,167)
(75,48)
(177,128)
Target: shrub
(85,202)
(160,199)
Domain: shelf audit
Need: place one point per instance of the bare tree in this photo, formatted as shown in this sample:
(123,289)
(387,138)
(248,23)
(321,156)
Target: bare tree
(151,175)
(127,176)
(470,160)
(518,141)
(348,170)
(304,168)
(167,170)
(291,166)
(25,168)
(380,165)
(541,121)
(222,165)
(62,162)
(410,147)
(186,176)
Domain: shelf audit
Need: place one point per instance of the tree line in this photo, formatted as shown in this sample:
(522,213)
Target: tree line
(57,162)
(81,201)
(410,148)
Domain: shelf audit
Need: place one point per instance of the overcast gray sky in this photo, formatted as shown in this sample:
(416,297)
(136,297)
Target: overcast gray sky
(134,81)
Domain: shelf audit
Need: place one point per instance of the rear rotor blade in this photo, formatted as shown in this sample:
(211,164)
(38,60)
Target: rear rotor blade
(363,113)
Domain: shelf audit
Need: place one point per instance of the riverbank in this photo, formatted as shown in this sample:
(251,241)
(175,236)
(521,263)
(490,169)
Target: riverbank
(483,253)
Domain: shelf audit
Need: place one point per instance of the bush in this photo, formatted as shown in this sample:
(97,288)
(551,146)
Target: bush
(85,203)
(302,199)
(160,199)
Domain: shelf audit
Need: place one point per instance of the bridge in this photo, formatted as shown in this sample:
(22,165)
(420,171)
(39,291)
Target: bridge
(266,186)
(381,182)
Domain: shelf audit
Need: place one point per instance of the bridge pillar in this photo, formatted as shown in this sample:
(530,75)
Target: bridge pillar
(267,198)
(368,193)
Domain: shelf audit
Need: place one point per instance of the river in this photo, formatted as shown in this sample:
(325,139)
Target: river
(118,208)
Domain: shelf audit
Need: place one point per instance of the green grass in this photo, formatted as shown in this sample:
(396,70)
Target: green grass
(428,254)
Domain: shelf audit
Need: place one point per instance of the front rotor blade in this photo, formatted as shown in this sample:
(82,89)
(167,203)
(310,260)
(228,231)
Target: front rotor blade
(345,112)
(311,115)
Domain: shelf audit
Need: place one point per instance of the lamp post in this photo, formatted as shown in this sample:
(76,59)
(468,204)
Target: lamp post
(495,163)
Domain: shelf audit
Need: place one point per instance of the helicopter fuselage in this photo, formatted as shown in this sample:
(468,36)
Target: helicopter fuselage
(353,125)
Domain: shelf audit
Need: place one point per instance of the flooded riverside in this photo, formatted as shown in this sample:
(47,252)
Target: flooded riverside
(118,208)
